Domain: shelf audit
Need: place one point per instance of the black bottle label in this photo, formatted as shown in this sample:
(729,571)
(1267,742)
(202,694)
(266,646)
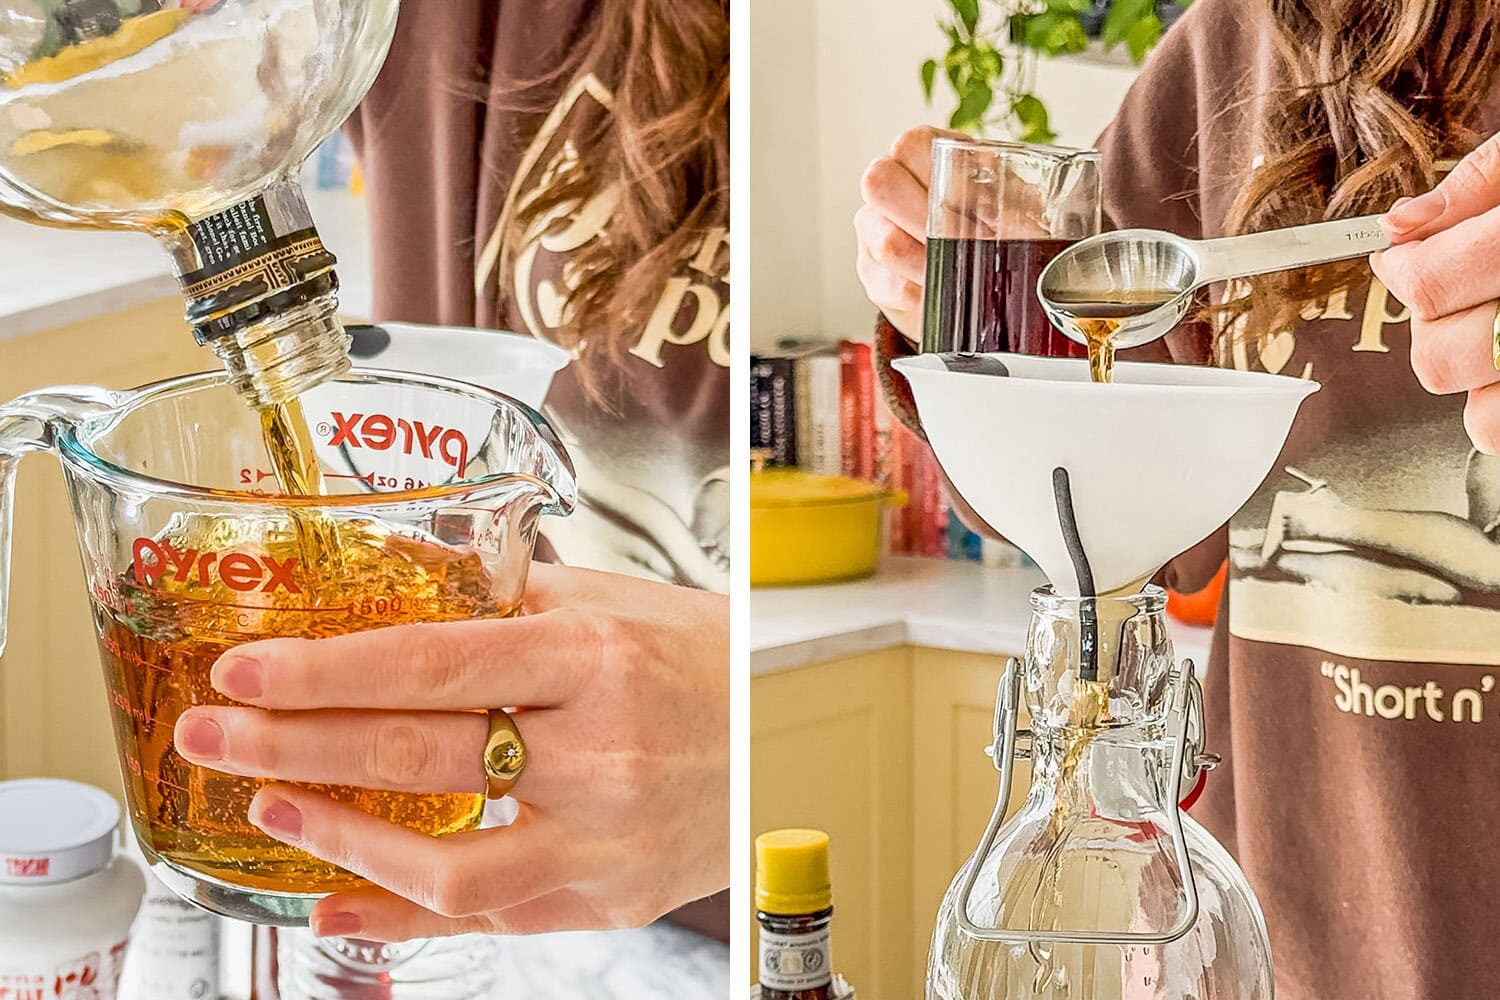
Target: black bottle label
(253,258)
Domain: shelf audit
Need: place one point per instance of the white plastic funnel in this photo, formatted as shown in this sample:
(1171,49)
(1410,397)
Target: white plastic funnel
(1150,465)
(516,364)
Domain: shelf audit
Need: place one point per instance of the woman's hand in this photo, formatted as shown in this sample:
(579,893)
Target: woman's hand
(624,802)
(1441,268)
(892,229)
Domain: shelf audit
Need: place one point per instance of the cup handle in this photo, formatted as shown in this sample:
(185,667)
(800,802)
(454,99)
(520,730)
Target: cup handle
(27,424)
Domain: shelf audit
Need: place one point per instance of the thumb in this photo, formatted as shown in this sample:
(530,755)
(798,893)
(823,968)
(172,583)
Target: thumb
(1473,188)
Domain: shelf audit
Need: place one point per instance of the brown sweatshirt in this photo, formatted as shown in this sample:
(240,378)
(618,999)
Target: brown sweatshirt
(449,149)
(1353,681)
(451,145)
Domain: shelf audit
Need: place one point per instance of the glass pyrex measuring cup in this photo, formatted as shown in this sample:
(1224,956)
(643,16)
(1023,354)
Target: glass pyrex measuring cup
(434,493)
(998,212)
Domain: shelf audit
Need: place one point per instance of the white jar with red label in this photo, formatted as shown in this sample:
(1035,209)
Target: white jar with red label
(66,899)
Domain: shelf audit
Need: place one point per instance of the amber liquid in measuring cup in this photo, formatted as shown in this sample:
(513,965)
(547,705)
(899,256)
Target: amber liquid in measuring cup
(1096,320)
(190,597)
(159,645)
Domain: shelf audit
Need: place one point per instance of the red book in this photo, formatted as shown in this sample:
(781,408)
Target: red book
(911,482)
(934,511)
(848,409)
(857,408)
(896,447)
(866,401)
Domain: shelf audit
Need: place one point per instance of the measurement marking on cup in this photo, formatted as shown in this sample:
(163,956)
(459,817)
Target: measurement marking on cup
(209,602)
(155,778)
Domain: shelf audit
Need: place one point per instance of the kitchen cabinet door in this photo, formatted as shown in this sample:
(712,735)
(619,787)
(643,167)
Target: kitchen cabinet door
(831,749)
(956,783)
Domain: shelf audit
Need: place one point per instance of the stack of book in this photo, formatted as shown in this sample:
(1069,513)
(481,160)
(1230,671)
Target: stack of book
(819,407)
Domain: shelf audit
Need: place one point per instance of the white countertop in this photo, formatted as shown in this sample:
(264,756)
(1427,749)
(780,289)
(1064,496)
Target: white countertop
(52,277)
(936,603)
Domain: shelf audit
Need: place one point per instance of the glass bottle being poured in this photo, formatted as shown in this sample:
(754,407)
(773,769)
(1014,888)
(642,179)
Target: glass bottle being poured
(189,120)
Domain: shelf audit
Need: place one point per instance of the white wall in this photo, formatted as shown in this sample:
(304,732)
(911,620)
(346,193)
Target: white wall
(832,83)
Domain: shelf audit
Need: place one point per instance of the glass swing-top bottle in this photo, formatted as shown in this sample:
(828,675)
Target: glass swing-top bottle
(1100,887)
(188,120)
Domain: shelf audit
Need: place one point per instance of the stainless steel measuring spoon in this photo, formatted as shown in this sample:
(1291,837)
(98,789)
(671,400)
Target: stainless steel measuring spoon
(1114,266)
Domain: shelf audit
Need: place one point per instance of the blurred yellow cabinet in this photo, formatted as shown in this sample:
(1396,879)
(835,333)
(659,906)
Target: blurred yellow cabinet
(54,720)
(884,751)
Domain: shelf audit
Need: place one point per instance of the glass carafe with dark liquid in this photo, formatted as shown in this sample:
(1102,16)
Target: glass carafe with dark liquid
(1100,887)
(998,212)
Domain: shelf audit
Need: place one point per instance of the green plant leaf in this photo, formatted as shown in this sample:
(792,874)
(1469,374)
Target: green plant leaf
(956,66)
(929,74)
(1070,6)
(1122,16)
(1054,33)
(967,11)
(976,100)
(1142,36)
(1031,114)
(985,61)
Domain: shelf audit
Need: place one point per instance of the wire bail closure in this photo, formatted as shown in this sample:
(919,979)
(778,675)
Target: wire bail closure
(1187,707)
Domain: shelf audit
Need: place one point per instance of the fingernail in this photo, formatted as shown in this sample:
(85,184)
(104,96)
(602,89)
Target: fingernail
(237,677)
(280,819)
(199,738)
(1413,213)
(337,925)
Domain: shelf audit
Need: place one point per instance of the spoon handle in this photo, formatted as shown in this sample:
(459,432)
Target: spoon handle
(1282,249)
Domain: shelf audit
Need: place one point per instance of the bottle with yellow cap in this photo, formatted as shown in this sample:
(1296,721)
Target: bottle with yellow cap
(794,904)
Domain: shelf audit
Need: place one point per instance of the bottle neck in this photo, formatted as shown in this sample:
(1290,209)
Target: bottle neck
(262,292)
(1121,774)
(284,354)
(1098,663)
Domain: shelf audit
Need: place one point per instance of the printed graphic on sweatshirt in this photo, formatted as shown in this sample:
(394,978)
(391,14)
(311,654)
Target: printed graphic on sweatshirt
(1377,534)
(652,456)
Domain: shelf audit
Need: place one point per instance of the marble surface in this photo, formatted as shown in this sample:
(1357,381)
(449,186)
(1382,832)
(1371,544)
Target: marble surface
(936,603)
(660,962)
(52,277)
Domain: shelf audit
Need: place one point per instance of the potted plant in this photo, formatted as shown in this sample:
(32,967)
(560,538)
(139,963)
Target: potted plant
(993,44)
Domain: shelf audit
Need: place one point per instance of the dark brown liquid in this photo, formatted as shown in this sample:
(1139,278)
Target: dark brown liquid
(981,296)
(1097,320)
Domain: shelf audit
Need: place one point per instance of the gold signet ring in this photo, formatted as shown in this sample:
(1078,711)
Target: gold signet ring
(504,754)
(1495,344)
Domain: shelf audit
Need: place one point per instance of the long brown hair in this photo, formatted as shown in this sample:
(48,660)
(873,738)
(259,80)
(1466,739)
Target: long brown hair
(1377,92)
(665,147)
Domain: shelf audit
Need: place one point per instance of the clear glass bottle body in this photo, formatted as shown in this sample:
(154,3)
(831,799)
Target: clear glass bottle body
(171,112)
(1094,846)
(188,120)
(303,967)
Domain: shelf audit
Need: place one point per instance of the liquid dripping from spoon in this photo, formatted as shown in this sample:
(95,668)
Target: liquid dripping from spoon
(1097,319)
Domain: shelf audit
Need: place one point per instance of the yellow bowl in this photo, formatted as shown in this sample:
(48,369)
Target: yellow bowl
(807,528)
